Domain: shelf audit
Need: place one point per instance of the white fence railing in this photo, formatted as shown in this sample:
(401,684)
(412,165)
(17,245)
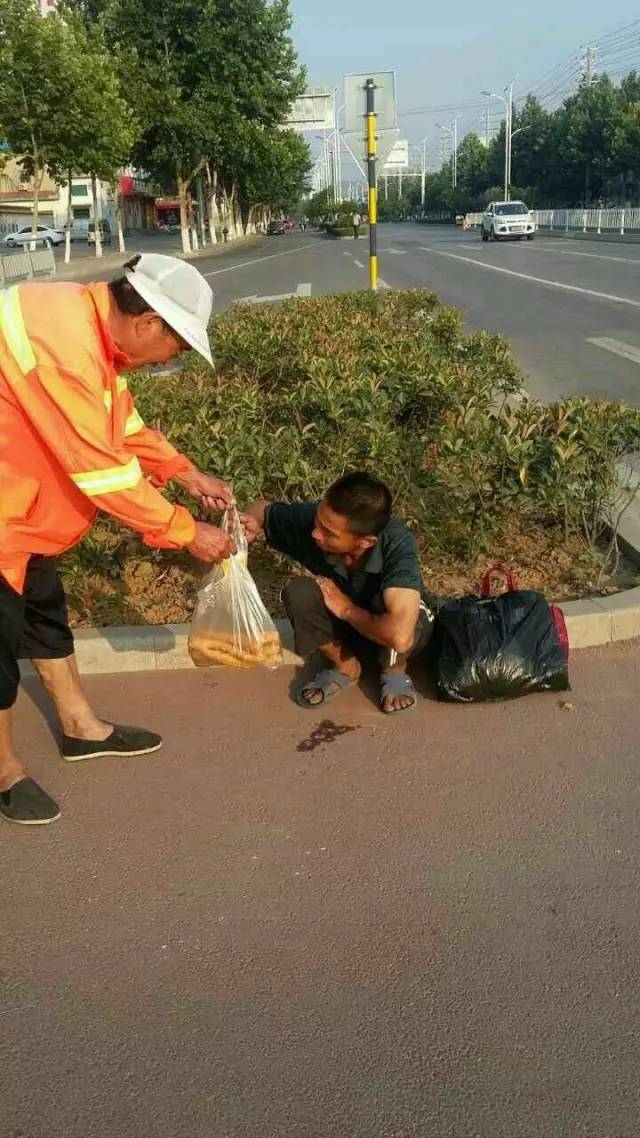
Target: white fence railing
(589,220)
(26,265)
(577,220)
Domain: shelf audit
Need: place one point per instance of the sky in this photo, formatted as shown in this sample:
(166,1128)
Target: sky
(444,59)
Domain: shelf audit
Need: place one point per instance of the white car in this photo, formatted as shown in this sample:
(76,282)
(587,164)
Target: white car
(507,219)
(25,235)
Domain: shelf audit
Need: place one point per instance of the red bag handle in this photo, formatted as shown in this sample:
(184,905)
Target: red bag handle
(507,573)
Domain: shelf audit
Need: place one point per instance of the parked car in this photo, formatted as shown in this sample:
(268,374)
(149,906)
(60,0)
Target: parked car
(24,236)
(507,219)
(105,233)
(276,229)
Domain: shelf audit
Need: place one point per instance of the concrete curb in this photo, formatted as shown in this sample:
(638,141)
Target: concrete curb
(145,648)
(149,648)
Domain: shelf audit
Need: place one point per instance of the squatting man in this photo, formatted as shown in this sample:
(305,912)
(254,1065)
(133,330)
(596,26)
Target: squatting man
(366,592)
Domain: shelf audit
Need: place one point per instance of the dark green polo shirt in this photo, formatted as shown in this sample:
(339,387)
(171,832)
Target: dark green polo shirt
(393,563)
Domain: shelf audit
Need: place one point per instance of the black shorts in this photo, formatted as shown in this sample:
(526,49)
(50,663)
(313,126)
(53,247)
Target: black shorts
(33,625)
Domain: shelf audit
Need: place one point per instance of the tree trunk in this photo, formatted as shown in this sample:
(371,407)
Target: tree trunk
(201,220)
(67,236)
(184,213)
(231,212)
(97,216)
(38,178)
(192,226)
(212,181)
(118,196)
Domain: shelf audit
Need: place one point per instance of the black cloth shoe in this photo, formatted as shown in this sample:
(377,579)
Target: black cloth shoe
(28,804)
(121,741)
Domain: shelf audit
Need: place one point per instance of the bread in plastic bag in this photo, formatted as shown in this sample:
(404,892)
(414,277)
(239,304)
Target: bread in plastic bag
(231,624)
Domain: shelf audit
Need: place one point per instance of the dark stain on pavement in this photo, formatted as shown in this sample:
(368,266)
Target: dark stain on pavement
(326,732)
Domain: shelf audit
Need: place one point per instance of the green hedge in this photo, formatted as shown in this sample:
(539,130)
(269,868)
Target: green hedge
(341,230)
(390,382)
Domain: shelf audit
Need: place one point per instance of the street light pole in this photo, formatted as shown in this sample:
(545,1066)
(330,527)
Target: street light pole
(422,151)
(508,127)
(453,131)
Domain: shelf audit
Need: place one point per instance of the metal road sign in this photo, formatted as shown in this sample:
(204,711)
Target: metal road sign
(355,100)
(399,157)
(356,141)
(313,111)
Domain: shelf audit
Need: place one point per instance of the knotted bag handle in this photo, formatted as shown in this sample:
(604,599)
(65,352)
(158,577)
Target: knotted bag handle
(232,525)
(507,573)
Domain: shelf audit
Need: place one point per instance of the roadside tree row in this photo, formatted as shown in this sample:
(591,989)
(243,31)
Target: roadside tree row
(586,152)
(192,92)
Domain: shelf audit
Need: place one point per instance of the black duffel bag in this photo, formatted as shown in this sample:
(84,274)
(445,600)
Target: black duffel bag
(500,647)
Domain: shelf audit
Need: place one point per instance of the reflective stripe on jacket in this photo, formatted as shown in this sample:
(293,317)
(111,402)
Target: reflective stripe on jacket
(71,440)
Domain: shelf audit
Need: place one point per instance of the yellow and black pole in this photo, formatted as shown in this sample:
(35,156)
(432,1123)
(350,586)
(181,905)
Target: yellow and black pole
(373,193)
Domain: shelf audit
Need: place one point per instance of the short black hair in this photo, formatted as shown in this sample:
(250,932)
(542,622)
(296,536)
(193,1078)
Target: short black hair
(127,300)
(365,501)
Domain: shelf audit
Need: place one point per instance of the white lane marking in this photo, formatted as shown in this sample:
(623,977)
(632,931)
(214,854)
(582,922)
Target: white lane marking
(382,284)
(618,347)
(398,252)
(535,280)
(560,245)
(259,260)
(303,290)
(358,263)
(574,252)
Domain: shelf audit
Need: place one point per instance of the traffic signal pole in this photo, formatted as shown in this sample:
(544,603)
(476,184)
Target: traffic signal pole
(373,193)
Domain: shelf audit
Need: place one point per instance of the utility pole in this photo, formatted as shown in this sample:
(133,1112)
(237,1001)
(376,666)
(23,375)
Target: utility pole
(486,126)
(509,139)
(589,65)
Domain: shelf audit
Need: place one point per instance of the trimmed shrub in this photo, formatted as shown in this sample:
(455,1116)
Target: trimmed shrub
(390,382)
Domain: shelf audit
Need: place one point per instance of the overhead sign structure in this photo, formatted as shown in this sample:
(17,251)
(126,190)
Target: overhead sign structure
(315,110)
(355,100)
(398,158)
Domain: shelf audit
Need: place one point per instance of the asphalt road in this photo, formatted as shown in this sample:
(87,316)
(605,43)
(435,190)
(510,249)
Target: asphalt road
(552,297)
(418,927)
(571,309)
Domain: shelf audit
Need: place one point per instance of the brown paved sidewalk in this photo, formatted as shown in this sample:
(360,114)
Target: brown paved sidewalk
(425,926)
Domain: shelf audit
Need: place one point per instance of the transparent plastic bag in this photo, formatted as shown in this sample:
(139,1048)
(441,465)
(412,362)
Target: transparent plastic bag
(231,624)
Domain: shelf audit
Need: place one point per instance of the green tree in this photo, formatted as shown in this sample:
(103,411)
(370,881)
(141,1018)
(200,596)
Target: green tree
(199,72)
(40,106)
(273,175)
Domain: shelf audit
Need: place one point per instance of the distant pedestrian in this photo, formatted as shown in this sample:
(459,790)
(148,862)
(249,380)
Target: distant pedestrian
(303,223)
(355,221)
(225,233)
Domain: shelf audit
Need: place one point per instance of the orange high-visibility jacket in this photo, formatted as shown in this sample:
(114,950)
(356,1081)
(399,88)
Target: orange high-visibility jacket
(71,440)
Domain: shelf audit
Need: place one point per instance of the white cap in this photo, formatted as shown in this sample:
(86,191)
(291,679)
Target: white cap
(178,293)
